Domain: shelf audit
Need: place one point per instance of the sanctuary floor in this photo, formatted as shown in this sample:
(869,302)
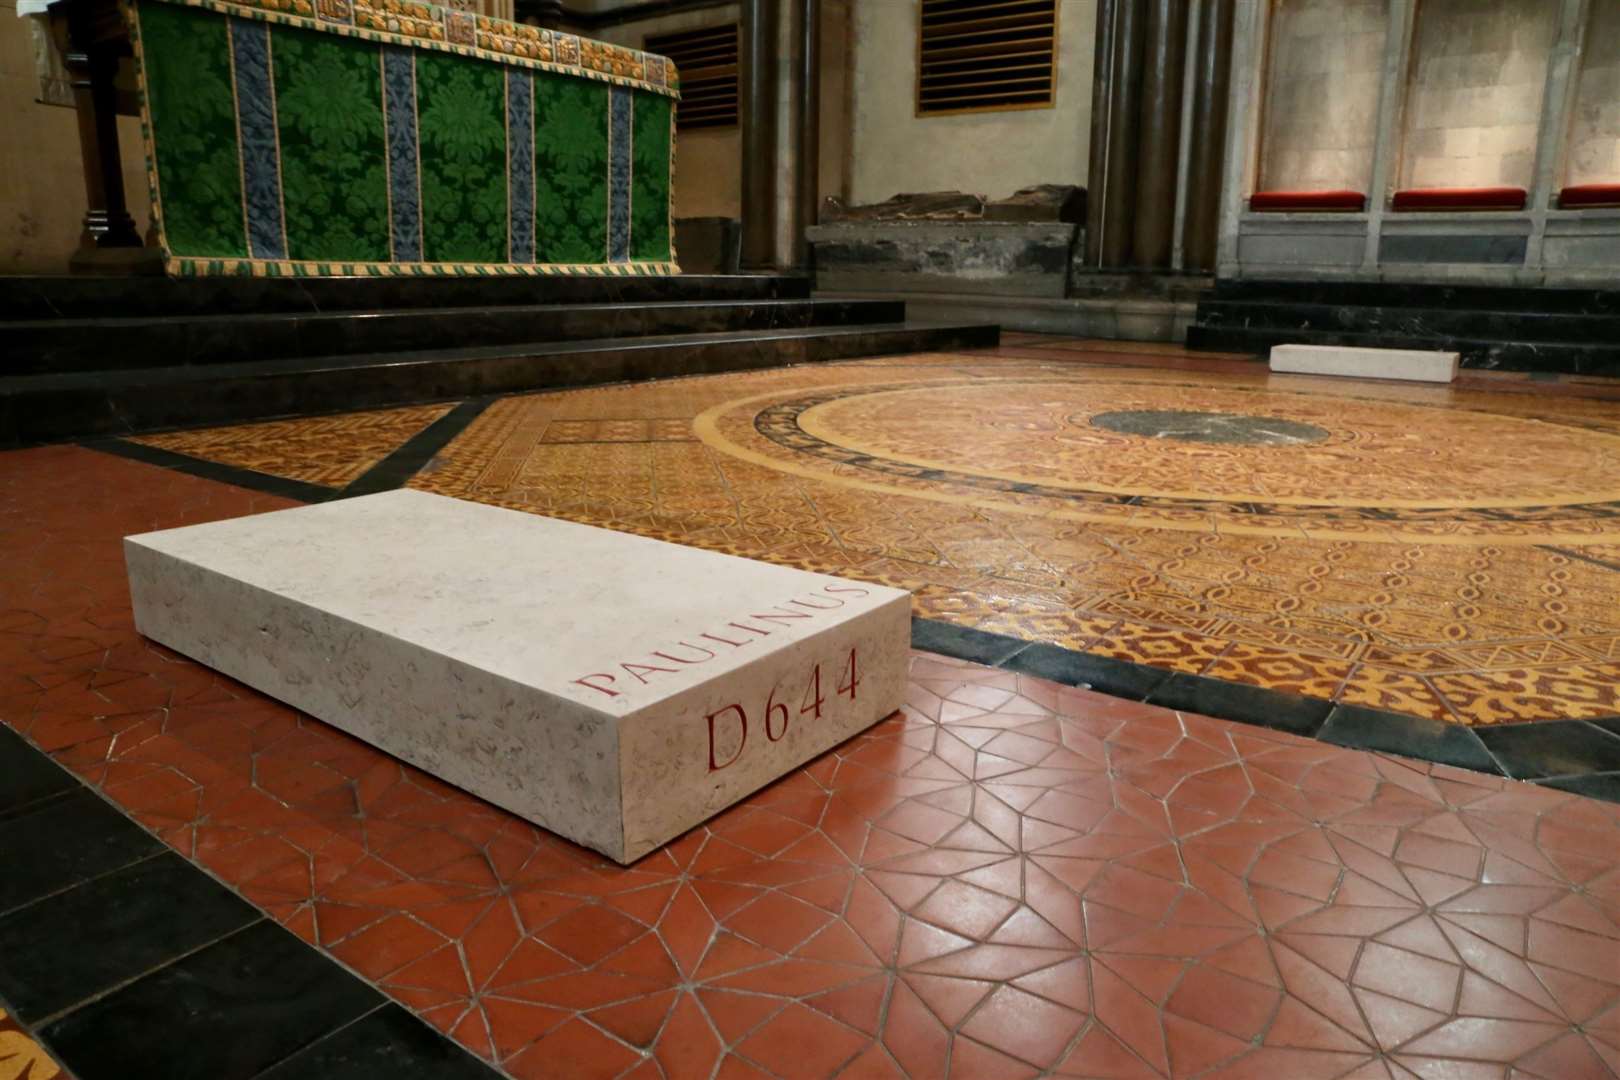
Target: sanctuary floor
(1012,876)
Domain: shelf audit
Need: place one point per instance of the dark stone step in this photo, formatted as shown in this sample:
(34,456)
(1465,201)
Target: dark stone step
(47,408)
(1415,322)
(37,297)
(1405,294)
(1544,356)
(35,347)
(1102,285)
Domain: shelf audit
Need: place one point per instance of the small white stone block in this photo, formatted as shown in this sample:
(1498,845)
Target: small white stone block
(611,688)
(1356,361)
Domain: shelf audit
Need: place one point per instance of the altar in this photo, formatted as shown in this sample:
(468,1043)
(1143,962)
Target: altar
(376,137)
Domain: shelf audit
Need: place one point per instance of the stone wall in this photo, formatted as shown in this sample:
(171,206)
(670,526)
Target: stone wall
(1474,104)
(708,161)
(1594,136)
(896,150)
(1321,98)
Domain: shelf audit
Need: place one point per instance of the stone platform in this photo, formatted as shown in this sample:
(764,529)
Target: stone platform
(614,689)
(1366,362)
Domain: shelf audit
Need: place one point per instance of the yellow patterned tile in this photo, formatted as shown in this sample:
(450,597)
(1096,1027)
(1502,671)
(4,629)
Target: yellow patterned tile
(1278,669)
(1496,697)
(21,1057)
(1396,691)
(1179,650)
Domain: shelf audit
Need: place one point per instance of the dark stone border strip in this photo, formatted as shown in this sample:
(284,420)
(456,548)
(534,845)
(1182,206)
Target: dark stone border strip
(1581,756)
(410,456)
(391,472)
(213,470)
(123,958)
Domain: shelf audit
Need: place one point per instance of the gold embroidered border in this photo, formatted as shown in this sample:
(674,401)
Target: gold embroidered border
(428,26)
(194,266)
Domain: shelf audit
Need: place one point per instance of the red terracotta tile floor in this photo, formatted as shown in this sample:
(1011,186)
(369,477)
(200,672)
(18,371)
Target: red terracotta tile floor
(1009,878)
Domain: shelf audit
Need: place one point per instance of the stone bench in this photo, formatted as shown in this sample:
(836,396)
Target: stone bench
(614,689)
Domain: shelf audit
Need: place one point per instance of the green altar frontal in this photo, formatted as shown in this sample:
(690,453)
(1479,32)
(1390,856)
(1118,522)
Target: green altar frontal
(370,137)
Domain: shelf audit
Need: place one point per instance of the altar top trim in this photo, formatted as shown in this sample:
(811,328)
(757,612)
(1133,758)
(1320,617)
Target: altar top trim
(429,26)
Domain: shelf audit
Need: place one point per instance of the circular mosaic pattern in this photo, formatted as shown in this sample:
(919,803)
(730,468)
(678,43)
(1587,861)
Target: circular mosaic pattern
(1157,453)
(1221,429)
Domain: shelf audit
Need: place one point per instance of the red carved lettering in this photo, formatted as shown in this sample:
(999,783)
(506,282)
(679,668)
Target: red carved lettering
(742,721)
(737,644)
(637,669)
(586,681)
(813,691)
(707,654)
(771,705)
(781,615)
(725,641)
(847,589)
(853,677)
(836,603)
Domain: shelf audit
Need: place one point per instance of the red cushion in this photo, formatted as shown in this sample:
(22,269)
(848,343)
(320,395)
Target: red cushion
(1307,200)
(1582,195)
(1467,198)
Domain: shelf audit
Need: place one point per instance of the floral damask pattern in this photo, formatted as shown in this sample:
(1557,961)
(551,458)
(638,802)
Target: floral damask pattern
(649,194)
(570,167)
(280,145)
(461,111)
(198,165)
(334,160)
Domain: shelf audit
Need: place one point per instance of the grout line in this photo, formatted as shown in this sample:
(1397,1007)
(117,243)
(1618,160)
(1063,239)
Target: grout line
(40,803)
(387,1000)
(54,893)
(107,992)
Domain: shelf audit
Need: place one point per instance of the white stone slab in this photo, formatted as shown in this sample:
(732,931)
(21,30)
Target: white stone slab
(614,689)
(1357,361)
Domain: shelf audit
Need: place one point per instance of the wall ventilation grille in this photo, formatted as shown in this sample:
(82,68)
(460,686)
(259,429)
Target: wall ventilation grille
(978,55)
(707,61)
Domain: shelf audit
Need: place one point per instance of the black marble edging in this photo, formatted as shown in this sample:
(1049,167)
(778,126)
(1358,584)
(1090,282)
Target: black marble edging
(125,959)
(391,472)
(1581,756)
(212,470)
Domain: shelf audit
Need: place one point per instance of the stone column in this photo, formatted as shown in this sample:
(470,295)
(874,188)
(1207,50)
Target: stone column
(808,199)
(1242,113)
(758,118)
(780,112)
(1162,70)
(1124,119)
(1102,94)
(1211,90)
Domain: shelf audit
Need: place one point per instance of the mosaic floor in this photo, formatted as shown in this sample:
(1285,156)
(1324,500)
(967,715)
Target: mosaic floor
(1449,553)
(1009,878)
